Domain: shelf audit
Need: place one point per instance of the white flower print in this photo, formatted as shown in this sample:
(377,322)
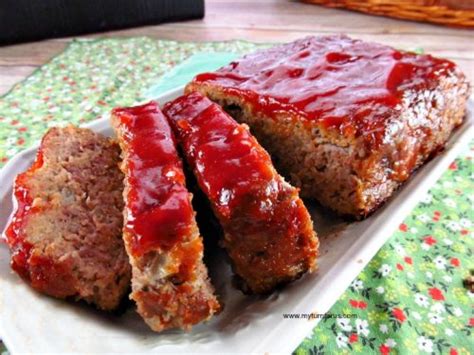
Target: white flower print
(416,315)
(438,307)
(429,275)
(385,270)
(341,340)
(448,332)
(427,199)
(457,312)
(449,202)
(357,285)
(11,151)
(362,327)
(413,230)
(453,226)
(11,141)
(435,318)
(390,343)
(344,324)
(423,218)
(447,241)
(399,249)
(464,222)
(383,328)
(410,275)
(380,290)
(421,300)
(440,262)
(447,184)
(36,103)
(425,246)
(425,344)
(447,278)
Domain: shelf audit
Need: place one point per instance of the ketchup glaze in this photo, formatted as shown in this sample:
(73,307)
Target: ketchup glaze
(159,211)
(268,232)
(20,248)
(341,83)
(228,161)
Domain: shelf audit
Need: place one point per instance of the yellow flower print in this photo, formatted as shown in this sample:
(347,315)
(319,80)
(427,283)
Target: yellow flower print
(358,348)
(323,338)
(455,323)
(429,329)
(460,295)
(411,247)
(459,248)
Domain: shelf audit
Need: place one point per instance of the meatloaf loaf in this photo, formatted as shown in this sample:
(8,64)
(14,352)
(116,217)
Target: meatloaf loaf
(66,233)
(170,284)
(268,232)
(347,121)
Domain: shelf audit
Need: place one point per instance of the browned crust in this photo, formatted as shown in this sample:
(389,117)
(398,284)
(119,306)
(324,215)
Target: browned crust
(343,174)
(268,232)
(268,254)
(164,300)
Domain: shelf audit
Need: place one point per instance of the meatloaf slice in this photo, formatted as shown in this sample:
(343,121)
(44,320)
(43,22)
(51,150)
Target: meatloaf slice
(268,232)
(170,284)
(66,233)
(347,121)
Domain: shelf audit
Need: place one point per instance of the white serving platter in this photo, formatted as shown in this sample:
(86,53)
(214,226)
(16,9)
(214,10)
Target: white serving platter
(34,323)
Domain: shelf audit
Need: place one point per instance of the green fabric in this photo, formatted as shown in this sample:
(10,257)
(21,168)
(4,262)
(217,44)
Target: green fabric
(409,298)
(185,71)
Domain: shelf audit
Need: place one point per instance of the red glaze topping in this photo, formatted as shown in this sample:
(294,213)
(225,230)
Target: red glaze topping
(21,250)
(268,231)
(158,203)
(228,162)
(339,82)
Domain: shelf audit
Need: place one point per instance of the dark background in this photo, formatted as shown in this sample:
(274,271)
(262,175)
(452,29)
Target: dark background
(30,20)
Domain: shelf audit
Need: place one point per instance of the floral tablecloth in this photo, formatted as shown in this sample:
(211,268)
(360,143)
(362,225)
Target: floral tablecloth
(409,299)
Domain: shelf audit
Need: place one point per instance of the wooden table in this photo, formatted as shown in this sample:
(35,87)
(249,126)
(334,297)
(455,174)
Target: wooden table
(265,21)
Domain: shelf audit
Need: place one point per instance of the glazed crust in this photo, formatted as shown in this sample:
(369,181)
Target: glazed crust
(268,232)
(170,284)
(65,236)
(356,169)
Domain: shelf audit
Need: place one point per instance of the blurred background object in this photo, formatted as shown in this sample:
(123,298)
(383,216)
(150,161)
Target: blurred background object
(26,20)
(445,12)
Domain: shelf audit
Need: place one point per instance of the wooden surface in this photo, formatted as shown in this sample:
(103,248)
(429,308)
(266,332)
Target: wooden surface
(265,21)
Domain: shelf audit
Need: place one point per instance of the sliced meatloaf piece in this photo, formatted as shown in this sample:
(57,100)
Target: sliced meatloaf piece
(66,233)
(347,121)
(268,232)
(170,284)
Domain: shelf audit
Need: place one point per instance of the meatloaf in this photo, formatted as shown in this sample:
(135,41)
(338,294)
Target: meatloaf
(66,233)
(346,121)
(170,284)
(268,232)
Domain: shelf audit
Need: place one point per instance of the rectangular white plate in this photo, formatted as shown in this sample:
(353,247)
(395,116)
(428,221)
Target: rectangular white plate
(33,323)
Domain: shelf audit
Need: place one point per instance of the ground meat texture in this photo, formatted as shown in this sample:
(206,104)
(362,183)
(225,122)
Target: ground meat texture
(268,232)
(345,120)
(66,234)
(170,284)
